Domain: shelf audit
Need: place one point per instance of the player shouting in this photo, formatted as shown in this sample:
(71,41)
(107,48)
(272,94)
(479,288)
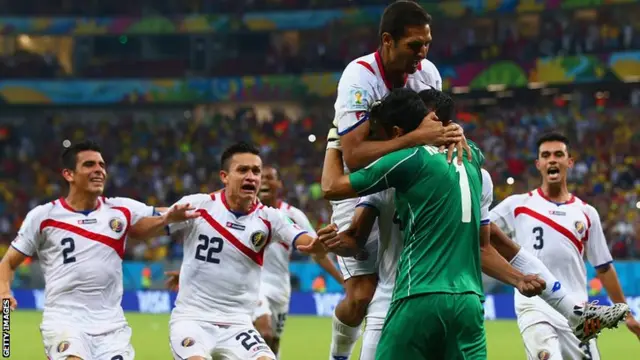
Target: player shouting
(80,241)
(559,228)
(400,61)
(223,257)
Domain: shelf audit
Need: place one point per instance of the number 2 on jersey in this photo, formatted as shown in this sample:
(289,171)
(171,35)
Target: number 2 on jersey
(68,246)
(465,192)
(211,246)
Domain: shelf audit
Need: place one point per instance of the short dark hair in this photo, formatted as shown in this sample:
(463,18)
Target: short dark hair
(399,15)
(552,136)
(237,148)
(402,107)
(69,156)
(439,102)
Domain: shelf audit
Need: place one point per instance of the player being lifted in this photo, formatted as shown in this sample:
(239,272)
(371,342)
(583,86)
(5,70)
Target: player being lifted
(275,285)
(400,61)
(80,240)
(559,228)
(440,262)
(222,264)
(381,206)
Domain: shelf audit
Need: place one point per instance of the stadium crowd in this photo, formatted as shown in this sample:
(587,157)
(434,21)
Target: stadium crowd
(158,155)
(519,39)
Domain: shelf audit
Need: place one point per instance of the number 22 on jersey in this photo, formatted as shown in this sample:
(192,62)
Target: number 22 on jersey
(465,192)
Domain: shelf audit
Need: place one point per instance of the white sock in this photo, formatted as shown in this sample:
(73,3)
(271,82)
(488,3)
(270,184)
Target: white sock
(343,337)
(555,295)
(370,340)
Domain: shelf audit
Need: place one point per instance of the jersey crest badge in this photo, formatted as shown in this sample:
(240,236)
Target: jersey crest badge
(580,227)
(544,355)
(116,225)
(187,342)
(63,346)
(258,239)
(358,99)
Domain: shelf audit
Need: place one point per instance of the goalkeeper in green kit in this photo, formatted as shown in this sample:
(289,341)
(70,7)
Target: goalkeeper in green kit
(437,310)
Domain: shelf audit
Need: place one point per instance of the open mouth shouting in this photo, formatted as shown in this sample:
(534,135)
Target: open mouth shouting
(248,189)
(553,173)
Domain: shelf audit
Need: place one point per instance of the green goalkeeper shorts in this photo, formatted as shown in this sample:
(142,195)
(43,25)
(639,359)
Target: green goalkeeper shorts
(436,327)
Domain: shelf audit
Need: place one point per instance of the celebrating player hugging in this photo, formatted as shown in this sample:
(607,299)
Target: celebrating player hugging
(80,240)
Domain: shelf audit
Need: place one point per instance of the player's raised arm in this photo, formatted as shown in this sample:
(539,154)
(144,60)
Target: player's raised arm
(176,217)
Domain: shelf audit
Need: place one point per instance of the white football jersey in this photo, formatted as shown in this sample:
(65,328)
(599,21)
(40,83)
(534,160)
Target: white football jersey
(81,258)
(363,82)
(390,243)
(559,235)
(275,282)
(223,258)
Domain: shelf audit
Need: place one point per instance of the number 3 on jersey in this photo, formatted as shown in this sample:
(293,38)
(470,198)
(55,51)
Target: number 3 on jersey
(465,192)
(209,246)
(539,233)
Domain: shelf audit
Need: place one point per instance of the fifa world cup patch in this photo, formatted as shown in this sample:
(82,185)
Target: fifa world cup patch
(187,342)
(63,346)
(544,355)
(358,99)
(580,227)
(116,225)
(258,239)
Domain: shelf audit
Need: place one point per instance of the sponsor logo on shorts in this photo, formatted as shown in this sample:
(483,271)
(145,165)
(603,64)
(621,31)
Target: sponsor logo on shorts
(116,225)
(63,346)
(188,342)
(580,227)
(544,355)
(258,239)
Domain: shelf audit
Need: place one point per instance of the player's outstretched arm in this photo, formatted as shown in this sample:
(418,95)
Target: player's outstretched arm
(349,242)
(152,226)
(334,182)
(10,262)
(494,265)
(308,244)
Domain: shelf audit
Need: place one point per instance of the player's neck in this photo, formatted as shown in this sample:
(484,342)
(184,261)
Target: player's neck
(271,202)
(81,202)
(556,192)
(238,204)
(395,77)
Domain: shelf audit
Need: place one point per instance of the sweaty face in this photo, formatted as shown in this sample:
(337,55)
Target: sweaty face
(90,173)
(409,50)
(270,184)
(243,177)
(553,161)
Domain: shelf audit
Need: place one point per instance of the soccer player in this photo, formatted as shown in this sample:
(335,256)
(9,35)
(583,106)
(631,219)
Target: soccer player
(80,240)
(559,228)
(401,104)
(275,286)
(223,257)
(400,61)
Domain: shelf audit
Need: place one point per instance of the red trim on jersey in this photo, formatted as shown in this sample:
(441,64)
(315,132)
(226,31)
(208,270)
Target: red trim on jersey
(554,225)
(268,223)
(115,244)
(419,67)
(284,245)
(223,197)
(213,196)
(257,257)
(367,65)
(65,205)
(388,84)
(570,201)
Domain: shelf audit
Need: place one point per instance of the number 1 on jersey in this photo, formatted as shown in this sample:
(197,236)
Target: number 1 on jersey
(465,192)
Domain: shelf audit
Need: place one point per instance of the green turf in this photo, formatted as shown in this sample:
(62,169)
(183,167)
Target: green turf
(305,338)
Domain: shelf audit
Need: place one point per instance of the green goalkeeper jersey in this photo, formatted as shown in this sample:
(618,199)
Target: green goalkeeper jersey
(438,205)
